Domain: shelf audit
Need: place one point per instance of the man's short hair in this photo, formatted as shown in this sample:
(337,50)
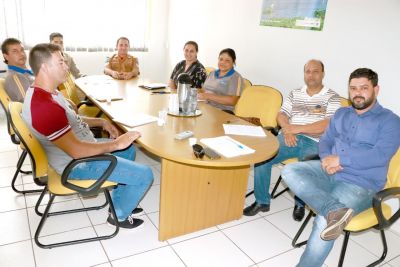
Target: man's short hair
(41,53)
(7,42)
(365,73)
(316,60)
(122,38)
(55,35)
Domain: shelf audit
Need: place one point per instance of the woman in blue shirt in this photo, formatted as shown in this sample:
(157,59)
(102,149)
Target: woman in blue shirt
(223,86)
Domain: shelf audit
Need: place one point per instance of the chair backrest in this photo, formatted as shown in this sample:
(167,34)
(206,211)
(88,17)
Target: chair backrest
(261,102)
(209,70)
(4,101)
(32,145)
(393,175)
(246,83)
(344,102)
(68,89)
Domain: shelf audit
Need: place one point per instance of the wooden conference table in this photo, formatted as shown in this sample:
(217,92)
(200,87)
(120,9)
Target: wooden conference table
(195,194)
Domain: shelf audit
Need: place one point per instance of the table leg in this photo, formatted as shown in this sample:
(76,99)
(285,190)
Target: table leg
(198,197)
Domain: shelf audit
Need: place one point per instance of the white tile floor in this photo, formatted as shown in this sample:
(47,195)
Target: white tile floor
(262,240)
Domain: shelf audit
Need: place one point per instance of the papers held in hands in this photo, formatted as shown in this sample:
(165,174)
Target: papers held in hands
(248,130)
(134,120)
(153,86)
(227,146)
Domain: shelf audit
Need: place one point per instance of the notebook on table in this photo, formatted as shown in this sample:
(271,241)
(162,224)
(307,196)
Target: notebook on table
(153,86)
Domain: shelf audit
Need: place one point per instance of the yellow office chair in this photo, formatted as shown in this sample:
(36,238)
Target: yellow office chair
(344,102)
(261,102)
(5,100)
(379,217)
(246,83)
(60,185)
(69,90)
(209,70)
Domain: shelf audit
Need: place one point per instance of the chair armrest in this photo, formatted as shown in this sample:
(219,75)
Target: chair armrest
(273,130)
(95,186)
(377,206)
(89,103)
(85,102)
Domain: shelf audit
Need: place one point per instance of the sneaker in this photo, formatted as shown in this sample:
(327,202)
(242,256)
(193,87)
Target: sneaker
(136,211)
(336,221)
(128,223)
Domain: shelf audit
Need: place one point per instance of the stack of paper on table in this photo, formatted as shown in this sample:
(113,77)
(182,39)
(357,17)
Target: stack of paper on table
(226,146)
(134,120)
(236,129)
(152,86)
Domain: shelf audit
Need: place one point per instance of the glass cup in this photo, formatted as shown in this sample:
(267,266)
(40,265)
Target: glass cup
(190,103)
(173,104)
(162,117)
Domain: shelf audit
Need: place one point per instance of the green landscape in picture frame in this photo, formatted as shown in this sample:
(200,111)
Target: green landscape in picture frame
(295,14)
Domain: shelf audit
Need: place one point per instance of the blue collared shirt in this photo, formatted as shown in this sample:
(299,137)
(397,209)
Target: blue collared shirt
(364,143)
(229,73)
(20,70)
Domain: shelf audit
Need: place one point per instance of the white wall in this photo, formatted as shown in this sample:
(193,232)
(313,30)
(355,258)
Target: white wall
(357,33)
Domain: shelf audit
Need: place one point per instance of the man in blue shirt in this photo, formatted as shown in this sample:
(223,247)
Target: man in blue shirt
(19,77)
(355,152)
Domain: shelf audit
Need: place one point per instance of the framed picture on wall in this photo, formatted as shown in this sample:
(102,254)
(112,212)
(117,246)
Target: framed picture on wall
(295,14)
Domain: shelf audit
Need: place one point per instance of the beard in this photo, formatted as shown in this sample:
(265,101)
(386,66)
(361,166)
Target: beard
(362,105)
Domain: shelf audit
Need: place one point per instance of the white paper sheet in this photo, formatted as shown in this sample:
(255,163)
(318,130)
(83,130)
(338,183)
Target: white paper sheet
(226,146)
(236,129)
(134,120)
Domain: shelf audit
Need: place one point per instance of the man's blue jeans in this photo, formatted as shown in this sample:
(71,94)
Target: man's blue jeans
(323,194)
(134,179)
(262,171)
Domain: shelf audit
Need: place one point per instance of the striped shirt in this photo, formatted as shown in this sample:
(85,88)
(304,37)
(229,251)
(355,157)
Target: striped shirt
(303,109)
(50,117)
